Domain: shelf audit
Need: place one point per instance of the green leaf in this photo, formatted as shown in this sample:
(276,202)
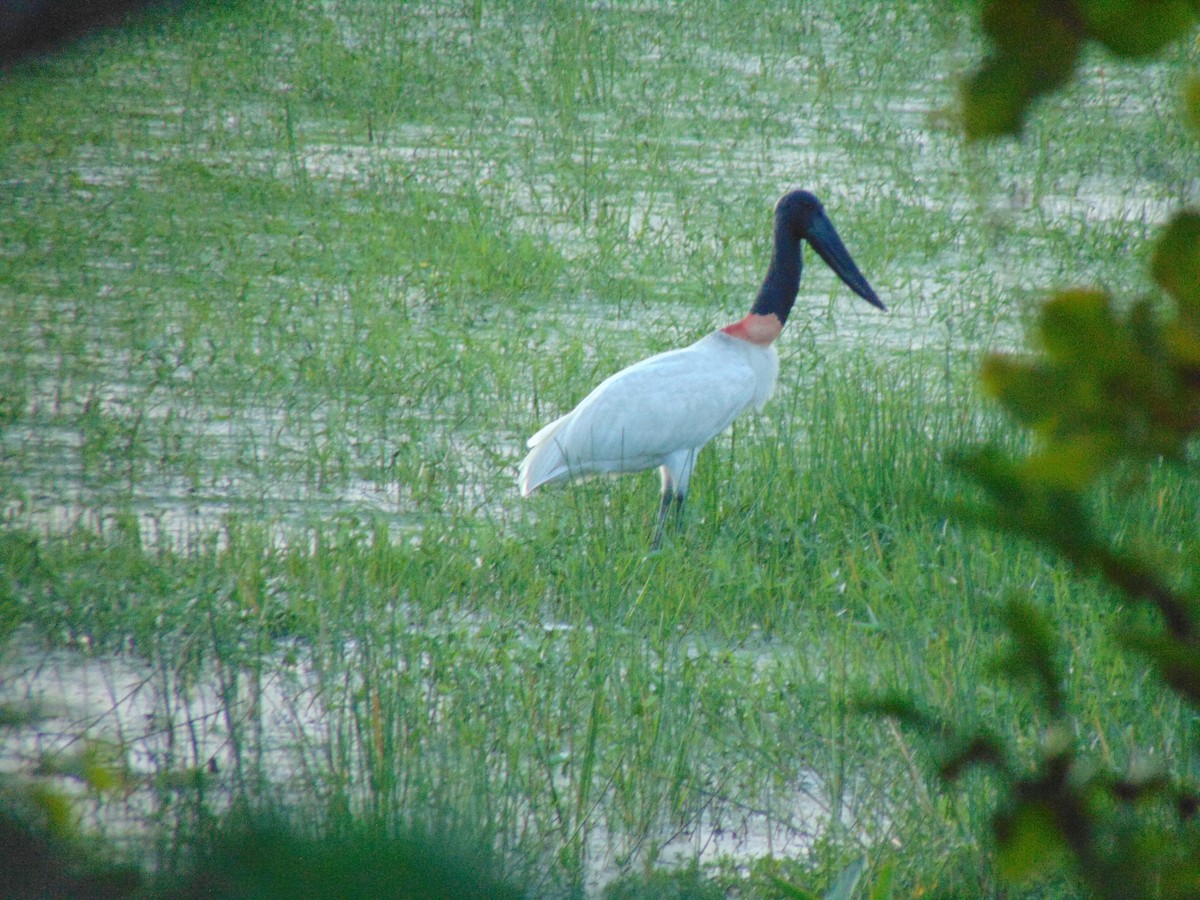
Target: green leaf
(1184,345)
(994,100)
(1034,653)
(1022,387)
(1191,101)
(1035,52)
(1030,842)
(1136,27)
(1176,264)
(1007,22)
(980,749)
(1080,325)
(1073,462)
(1038,36)
(901,707)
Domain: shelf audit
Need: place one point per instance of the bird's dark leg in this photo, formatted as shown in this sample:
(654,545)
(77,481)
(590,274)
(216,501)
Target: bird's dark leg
(663,506)
(669,498)
(675,471)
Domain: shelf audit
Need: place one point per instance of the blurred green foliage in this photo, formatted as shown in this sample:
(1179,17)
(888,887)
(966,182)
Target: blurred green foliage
(1036,45)
(1110,389)
(42,854)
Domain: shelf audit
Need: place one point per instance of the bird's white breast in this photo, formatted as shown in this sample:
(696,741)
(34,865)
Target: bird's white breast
(763,361)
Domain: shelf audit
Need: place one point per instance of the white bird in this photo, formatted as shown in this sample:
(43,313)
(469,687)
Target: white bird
(664,409)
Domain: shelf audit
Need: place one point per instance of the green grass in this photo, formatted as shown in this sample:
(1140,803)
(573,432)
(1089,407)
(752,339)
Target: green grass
(277,323)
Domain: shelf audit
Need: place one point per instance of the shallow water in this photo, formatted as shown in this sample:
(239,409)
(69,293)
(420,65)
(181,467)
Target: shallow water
(158,738)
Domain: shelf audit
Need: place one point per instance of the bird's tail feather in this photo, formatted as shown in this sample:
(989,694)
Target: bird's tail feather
(545,461)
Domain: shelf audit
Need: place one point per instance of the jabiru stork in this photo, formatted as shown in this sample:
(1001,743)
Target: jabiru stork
(663,410)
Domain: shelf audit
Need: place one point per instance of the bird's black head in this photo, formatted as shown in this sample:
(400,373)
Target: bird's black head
(799,216)
(796,210)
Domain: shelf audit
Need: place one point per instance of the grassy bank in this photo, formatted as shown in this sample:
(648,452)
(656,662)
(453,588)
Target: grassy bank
(284,290)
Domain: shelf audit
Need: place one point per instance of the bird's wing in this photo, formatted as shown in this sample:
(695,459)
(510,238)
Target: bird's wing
(674,401)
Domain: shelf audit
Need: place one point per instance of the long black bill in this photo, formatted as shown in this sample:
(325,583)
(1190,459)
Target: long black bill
(824,239)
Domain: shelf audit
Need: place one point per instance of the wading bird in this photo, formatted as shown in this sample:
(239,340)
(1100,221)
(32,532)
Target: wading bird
(663,410)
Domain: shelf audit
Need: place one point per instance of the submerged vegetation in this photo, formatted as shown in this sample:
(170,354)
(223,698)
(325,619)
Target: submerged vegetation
(284,289)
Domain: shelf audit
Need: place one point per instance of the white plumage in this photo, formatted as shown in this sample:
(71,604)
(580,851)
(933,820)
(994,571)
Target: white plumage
(661,411)
(656,413)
